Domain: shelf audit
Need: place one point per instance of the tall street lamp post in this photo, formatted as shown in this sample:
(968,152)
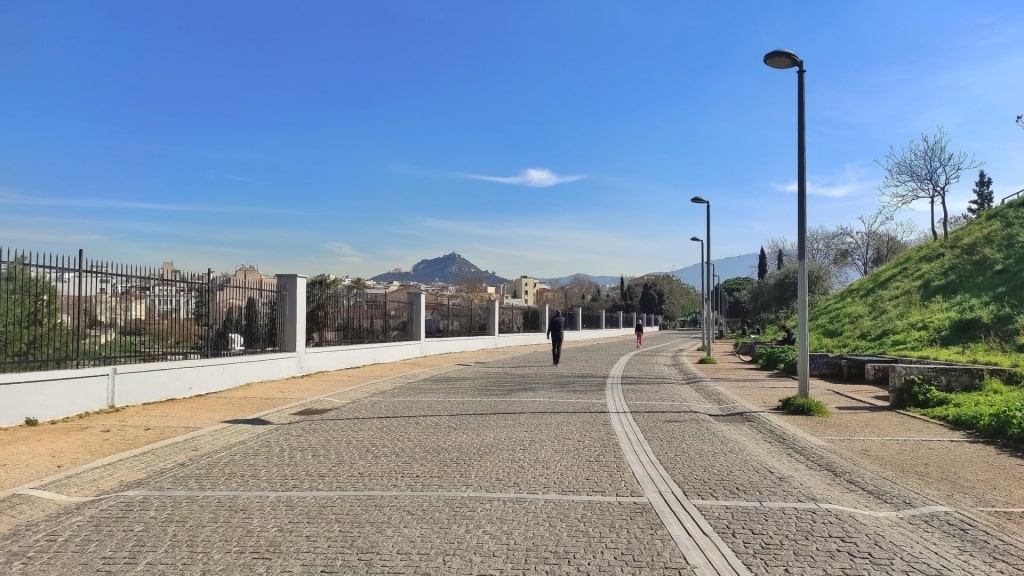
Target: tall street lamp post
(707,325)
(713,298)
(783,60)
(718,295)
(695,239)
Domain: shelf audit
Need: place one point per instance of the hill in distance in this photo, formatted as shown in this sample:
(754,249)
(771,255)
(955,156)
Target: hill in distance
(744,265)
(959,300)
(453,267)
(448,269)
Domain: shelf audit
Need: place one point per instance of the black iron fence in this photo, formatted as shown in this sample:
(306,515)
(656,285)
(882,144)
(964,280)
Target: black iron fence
(339,315)
(514,319)
(613,320)
(59,312)
(452,318)
(591,320)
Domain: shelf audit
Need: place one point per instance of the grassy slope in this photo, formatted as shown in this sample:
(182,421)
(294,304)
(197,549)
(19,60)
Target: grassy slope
(958,300)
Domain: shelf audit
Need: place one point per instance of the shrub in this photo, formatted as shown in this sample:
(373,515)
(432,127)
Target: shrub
(1006,422)
(803,406)
(995,411)
(919,392)
(781,358)
(31,421)
(707,360)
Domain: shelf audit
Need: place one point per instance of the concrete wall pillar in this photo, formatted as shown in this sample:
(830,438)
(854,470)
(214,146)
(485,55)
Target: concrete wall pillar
(579,319)
(417,316)
(602,319)
(291,313)
(492,317)
(545,317)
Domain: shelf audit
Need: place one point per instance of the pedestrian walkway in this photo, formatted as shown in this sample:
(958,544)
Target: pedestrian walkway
(618,461)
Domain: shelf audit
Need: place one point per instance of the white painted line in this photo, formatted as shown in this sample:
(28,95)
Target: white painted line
(54,496)
(690,404)
(366,493)
(1013,510)
(826,506)
(492,399)
(898,439)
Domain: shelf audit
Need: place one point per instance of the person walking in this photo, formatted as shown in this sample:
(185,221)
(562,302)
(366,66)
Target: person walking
(639,331)
(556,333)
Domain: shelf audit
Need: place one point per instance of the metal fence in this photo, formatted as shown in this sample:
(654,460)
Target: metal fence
(611,320)
(340,315)
(59,312)
(591,320)
(514,319)
(452,318)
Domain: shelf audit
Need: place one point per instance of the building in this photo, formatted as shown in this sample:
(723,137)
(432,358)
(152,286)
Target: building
(523,290)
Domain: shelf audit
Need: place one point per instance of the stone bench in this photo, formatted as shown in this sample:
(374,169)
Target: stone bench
(856,367)
(947,378)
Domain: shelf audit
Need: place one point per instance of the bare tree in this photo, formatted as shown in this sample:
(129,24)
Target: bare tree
(1020,120)
(581,289)
(879,240)
(825,248)
(924,170)
(471,287)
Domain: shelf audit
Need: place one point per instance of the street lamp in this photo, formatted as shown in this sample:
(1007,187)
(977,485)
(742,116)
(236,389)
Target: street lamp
(718,294)
(695,239)
(713,298)
(783,60)
(699,200)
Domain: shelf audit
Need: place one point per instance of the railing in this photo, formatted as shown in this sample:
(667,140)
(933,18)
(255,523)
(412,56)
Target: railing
(1014,195)
(514,319)
(60,312)
(453,318)
(339,315)
(591,320)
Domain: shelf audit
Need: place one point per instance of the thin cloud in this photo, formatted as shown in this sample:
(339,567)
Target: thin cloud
(9,198)
(346,253)
(850,182)
(533,177)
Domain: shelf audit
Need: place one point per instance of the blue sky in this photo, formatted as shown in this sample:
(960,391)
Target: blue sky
(538,138)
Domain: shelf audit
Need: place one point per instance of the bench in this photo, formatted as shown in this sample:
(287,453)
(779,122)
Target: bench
(854,367)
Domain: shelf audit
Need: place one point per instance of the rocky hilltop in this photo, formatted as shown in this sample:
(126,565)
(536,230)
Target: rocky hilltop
(448,269)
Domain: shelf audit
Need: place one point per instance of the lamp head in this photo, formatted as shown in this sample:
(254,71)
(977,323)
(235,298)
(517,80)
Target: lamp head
(698,200)
(695,239)
(783,59)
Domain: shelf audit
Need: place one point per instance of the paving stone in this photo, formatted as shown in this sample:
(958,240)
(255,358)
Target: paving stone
(504,467)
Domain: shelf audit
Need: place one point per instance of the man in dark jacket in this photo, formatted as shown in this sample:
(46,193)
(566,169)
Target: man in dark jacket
(556,333)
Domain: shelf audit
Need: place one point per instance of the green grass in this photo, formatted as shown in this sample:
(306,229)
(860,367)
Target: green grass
(995,410)
(803,406)
(959,300)
(707,360)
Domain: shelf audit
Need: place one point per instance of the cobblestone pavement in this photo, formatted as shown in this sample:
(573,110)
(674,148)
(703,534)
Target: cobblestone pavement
(618,461)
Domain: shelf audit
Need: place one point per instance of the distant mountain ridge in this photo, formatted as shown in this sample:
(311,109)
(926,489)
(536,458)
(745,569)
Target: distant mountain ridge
(744,265)
(448,269)
(451,268)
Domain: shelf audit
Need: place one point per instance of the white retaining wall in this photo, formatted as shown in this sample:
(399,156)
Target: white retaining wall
(61,393)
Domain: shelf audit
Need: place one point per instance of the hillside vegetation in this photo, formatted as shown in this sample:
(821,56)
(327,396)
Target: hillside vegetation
(959,300)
